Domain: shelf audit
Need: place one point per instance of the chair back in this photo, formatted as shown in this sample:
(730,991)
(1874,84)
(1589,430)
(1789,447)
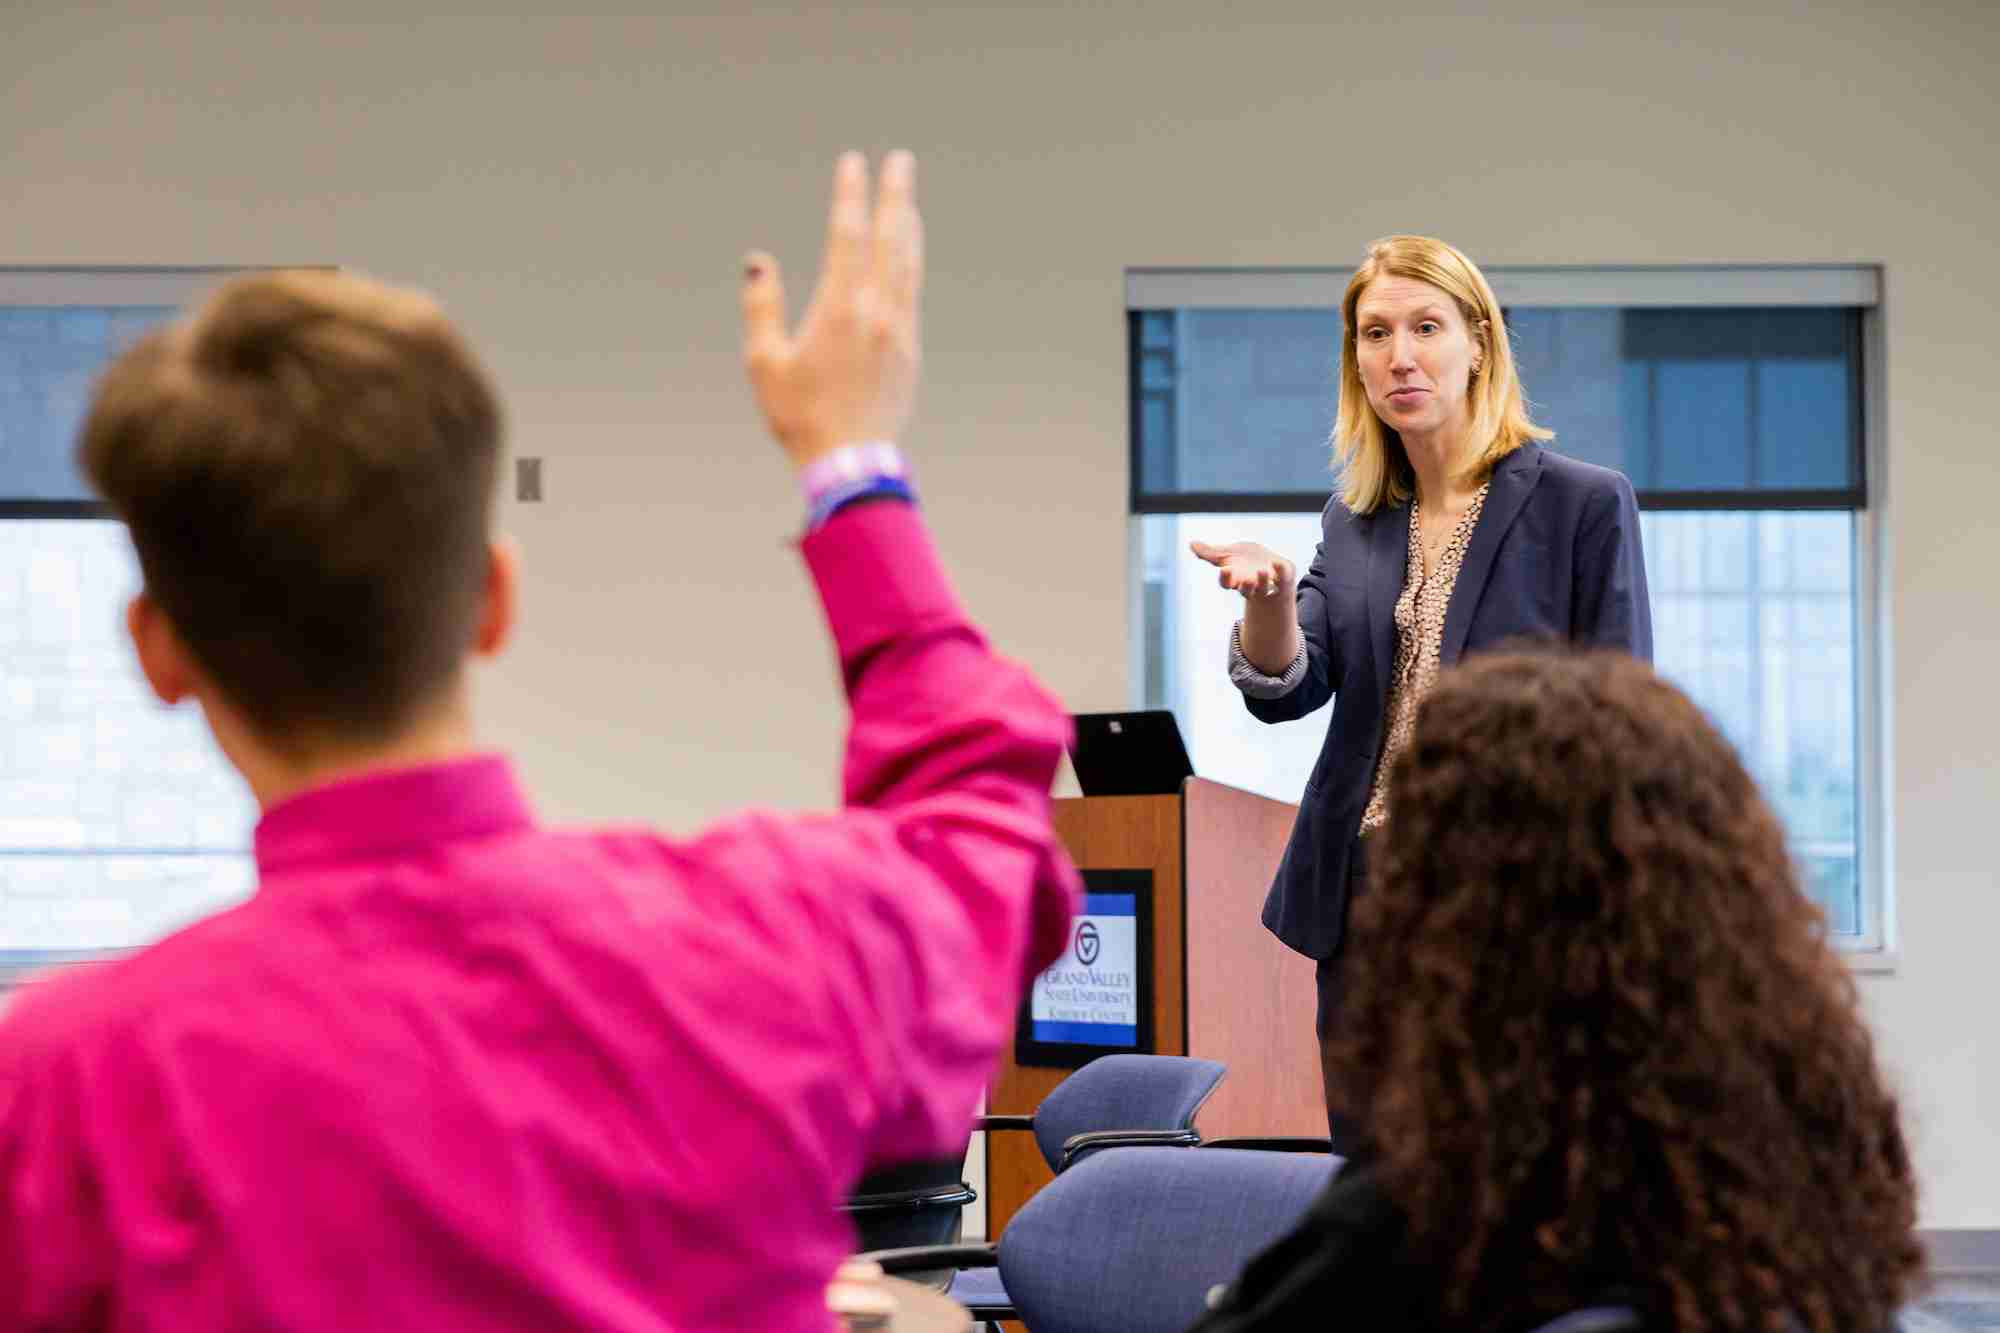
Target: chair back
(1132,1241)
(1123,1092)
(911,1204)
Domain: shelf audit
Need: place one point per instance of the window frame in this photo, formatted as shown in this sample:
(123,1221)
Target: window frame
(1859,286)
(58,286)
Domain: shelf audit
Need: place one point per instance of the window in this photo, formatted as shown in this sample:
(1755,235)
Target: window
(119,820)
(1734,399)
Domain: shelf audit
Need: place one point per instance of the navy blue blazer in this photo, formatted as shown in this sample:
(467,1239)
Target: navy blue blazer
(1555,555)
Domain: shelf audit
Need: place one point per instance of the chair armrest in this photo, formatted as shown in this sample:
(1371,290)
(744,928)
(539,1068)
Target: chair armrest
(1274,1145)
(904,1200)
(1077,1146)
(923,1258)
(988,1122)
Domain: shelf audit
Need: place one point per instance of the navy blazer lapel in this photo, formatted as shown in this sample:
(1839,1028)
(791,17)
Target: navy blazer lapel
(1514,478)
(1388,564)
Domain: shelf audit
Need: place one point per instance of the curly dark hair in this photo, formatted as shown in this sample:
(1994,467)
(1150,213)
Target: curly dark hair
(1597,1029)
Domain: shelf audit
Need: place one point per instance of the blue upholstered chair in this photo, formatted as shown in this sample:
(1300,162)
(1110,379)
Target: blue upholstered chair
(1133,1241)
(1117,1099)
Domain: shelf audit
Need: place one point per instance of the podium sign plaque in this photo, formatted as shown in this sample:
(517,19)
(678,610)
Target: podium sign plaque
(1097,998)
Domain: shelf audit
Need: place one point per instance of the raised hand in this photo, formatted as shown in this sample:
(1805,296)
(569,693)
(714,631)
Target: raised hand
(849,374)
(1253,570)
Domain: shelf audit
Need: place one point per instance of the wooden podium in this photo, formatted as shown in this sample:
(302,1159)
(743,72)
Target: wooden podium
(1223,987)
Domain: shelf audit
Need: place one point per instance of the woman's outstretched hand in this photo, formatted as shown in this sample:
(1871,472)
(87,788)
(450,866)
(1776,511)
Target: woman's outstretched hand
(1253,570)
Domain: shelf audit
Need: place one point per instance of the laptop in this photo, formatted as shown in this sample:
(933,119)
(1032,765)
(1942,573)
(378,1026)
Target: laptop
(1129,754)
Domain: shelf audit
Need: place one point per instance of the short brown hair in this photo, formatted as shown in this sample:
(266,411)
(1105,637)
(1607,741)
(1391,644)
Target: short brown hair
(1599,1032)
(306,464)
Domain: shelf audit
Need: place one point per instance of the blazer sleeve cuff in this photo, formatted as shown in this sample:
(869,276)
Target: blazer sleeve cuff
(1254,683)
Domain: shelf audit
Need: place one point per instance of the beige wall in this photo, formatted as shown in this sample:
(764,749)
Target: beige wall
(579,192)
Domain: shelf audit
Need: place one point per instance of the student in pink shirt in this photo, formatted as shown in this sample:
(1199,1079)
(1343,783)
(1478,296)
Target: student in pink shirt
(448,1068)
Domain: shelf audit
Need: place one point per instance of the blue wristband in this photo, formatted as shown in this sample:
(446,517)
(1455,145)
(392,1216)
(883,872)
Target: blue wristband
(839,497)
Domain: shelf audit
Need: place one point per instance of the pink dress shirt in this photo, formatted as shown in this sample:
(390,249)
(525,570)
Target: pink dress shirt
(451,1070)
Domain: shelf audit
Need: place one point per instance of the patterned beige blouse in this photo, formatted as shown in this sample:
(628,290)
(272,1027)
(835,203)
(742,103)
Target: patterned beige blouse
(1419,632)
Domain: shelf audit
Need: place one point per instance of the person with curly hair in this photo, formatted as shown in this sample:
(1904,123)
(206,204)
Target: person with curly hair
(1603,1046)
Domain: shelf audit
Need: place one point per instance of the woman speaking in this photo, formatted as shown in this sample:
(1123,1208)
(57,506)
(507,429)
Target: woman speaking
(1452,531)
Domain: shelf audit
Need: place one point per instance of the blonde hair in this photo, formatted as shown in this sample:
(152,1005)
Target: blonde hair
(1374,470)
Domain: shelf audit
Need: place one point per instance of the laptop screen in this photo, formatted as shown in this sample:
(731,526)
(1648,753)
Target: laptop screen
(1129,754)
